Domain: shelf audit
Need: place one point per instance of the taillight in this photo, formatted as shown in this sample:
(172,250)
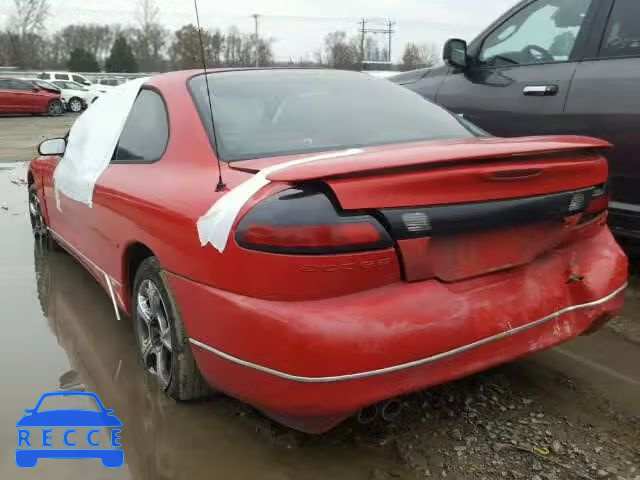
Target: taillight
(599,200)
(304,220)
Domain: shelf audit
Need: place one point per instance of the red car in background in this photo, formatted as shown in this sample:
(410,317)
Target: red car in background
(402,249)
(20,96)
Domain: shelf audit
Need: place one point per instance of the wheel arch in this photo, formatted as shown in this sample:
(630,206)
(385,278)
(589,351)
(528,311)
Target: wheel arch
(134,254)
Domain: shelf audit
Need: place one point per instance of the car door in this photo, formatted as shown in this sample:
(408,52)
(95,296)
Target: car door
(520,72)
(6,96)
(605,102)
(26,100)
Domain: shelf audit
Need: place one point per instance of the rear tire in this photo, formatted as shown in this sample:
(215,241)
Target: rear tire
(163,344)
(75,105)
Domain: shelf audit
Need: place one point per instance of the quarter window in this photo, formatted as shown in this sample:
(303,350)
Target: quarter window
(543,32)
(622,38)
(146,131)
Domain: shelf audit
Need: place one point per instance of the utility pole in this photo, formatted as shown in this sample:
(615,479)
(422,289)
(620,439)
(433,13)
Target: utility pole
(390,32)
(257,42)
(387,30)
(363,31)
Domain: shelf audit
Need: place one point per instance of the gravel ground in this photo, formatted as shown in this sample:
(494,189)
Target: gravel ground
(21,135)
(571,413)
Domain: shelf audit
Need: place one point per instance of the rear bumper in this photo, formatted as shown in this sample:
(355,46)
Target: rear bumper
(312,364)
(624,219)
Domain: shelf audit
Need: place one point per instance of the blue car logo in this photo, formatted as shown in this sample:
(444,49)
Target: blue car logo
(36,427)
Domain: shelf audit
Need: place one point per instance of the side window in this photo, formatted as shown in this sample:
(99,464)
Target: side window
(622,37)
(146,131)
(79,79)
(542,32)
(62,76)
(20,85)
(4,84)
(12,84)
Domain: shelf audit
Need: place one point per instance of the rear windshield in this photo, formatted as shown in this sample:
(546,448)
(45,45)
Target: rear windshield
(262,113)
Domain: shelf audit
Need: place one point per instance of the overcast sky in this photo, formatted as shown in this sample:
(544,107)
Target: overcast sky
(417,20)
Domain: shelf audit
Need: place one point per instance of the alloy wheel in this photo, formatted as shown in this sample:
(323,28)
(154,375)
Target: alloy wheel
(75,105)
(154,332)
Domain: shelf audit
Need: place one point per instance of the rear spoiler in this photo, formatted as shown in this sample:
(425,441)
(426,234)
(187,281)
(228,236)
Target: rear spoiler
(435,154)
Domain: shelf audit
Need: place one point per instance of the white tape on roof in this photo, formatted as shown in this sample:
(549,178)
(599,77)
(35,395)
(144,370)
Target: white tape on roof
(215,226)
(91,143)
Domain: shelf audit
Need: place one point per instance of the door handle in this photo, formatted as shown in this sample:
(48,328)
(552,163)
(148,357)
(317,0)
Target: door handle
(541,90)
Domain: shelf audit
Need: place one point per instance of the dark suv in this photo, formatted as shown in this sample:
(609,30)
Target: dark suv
(553,67)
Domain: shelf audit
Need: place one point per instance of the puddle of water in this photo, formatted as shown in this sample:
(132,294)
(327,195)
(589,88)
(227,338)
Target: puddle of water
(60,333)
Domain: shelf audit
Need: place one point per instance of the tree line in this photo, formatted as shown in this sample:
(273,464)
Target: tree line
(148,46)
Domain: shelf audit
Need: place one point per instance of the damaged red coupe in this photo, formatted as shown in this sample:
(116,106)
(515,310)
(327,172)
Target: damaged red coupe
(315,242)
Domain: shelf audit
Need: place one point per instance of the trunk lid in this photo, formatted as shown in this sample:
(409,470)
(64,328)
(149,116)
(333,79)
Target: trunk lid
(460,209)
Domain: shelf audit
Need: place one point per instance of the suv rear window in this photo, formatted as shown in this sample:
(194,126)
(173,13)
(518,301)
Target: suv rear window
(261,113)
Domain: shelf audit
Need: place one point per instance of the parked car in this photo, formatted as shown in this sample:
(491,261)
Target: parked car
(553,67)
(73,77)
(20,96)
(77,97)
(44,85)
(313,259)
(110,82)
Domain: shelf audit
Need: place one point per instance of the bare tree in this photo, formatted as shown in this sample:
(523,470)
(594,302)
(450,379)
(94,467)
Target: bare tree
(430,54)
(340,51)
(420,55)
(29,16)
(149,39)
(411,57)
(96,39)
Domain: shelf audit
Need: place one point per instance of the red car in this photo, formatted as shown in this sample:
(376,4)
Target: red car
(368,243)
(20,96)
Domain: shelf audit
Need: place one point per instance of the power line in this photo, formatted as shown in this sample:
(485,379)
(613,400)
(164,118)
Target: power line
(389,31)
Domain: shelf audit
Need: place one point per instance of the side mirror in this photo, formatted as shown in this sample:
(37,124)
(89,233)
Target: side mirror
(54,146)
(86,84)
(455,53)
(36,88)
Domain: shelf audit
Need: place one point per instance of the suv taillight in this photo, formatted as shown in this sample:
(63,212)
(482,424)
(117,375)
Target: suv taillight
(304,220)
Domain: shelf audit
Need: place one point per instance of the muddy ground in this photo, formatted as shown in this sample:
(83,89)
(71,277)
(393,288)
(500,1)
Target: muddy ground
(569,413)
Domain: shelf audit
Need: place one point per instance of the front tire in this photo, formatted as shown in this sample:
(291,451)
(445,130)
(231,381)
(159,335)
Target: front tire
(75,105)
(163,344)
(38,225)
